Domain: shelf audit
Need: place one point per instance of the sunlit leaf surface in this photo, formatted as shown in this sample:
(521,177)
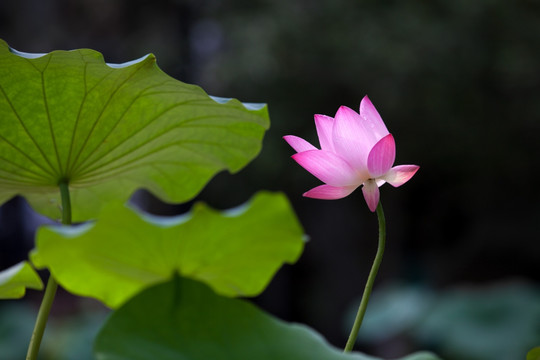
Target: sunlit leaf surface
(15,280)
(110,129)
(235,252)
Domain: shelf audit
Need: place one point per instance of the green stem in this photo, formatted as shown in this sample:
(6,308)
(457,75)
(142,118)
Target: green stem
(371,279)
(41,321)
(52,285)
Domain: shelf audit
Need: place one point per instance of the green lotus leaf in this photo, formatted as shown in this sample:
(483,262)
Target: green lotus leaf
(421,355)
(109,129)
(184,319)
(15,280)
(236,252)
(534,354)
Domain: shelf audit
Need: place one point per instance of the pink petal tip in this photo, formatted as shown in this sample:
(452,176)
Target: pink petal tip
(298,143)
(399,175)
(327,192)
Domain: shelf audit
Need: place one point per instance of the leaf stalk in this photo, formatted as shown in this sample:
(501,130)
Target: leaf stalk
(52,285)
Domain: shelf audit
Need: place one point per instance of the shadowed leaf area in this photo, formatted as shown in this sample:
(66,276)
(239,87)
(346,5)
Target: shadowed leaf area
(184,319)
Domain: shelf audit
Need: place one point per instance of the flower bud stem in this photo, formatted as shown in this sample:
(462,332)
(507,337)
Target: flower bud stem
(371,279)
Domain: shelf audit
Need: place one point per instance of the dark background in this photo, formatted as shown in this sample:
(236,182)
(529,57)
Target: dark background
(457,83)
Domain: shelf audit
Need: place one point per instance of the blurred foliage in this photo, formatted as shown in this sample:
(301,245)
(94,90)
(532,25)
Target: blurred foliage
(500,321)
(67,337)
(16,279)
(534,354)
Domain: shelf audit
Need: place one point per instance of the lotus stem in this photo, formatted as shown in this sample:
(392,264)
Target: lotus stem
(371,279)
(52,285)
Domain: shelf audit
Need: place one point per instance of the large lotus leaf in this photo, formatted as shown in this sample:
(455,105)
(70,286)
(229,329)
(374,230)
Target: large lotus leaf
(235,252)
(109,129)
(15,280)
(184,319)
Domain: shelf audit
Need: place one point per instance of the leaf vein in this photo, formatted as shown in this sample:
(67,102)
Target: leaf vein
(154,151)
(76,125)
(101,114)
(39,176)
(28,134)
(150,140)
(46,103)
(201,102)
(81,163)
(17,183)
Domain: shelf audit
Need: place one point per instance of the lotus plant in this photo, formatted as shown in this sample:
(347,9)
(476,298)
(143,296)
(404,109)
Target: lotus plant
(356,149)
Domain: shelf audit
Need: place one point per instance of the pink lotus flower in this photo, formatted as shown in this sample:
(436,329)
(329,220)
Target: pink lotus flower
(356,149)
